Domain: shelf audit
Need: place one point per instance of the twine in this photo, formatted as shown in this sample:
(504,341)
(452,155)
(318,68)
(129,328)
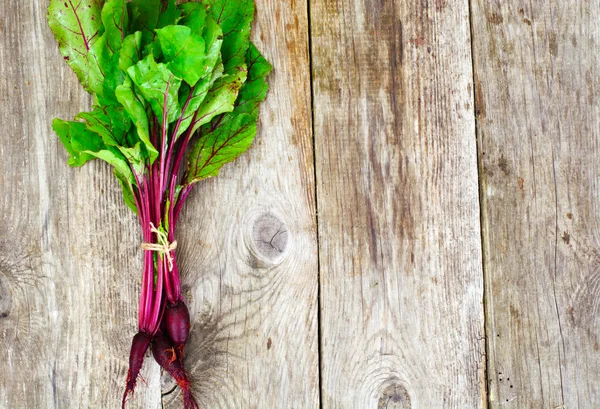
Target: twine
(162,246)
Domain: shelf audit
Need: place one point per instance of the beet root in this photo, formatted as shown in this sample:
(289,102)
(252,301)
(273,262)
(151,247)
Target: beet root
(164,353)
(139,346)
(177,319)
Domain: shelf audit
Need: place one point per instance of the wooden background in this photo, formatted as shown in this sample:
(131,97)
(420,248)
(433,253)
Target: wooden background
(417,225)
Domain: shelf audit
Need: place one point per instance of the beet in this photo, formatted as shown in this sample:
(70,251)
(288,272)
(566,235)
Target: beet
(139,346)
(164,353)
(177,319)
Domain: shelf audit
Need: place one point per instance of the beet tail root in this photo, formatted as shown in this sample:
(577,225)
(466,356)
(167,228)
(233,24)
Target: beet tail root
(139,346)
(164,352)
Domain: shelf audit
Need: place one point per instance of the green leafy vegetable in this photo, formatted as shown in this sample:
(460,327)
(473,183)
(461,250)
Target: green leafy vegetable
(184,49)
(135,107)
(67,132)
(159,87)
(131,50)
(220,146)
(235,19)
(115,18)
(220,99)
(110,122)
(76,25)
(231,135)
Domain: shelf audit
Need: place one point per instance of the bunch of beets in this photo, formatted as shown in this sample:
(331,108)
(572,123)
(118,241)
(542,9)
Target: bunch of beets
(172,84)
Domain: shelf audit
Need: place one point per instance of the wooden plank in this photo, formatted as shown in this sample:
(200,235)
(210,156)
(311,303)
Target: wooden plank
(539,119)
(401,268)
(69,249)
(247,244)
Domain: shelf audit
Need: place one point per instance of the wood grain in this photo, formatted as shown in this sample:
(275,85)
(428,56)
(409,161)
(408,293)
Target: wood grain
(70,263)
(539,118)
(401,268)
(248,249)
(402,315)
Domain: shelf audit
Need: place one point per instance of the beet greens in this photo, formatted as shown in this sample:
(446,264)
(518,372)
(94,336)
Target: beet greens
(171,84)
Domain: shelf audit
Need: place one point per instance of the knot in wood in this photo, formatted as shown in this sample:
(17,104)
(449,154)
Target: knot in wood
(394,397)
(269,239)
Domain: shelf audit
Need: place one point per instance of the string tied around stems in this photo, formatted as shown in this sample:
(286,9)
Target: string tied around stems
(162,245)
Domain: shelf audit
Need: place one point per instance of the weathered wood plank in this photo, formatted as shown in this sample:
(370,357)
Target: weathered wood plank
(69,249)
(401,268)
(539,120)
(247,246)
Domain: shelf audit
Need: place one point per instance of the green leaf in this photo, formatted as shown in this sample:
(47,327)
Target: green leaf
(223,145)
(110,122)
(219,70)
(100,58)
(66,131)
(235,19)
(135,156)
(83,145)
(113,68)
(220,99)
(131,50)
(105,72)
(194,16)
(185,52)
(230,135)
(254,90)
(128,195)
(198,93)
(110,155)
(116,20)
(150,15)
(145,17)
(213,38)
(77,26)
(158,86)
(136,109)
(113,125)
(168,15)
(113,77)
(155,49)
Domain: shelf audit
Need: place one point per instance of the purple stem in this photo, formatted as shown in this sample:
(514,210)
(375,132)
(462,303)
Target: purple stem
(176,295)
(141,214)
(148,267)
(142,204)
(174,141)
(163,144)
(154,323)
(150,208)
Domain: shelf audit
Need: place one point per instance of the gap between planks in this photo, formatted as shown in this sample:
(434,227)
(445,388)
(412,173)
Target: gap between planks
(486,398)
(314,147)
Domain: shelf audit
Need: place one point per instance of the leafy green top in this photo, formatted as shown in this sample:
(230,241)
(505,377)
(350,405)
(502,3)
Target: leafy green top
(159,71)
